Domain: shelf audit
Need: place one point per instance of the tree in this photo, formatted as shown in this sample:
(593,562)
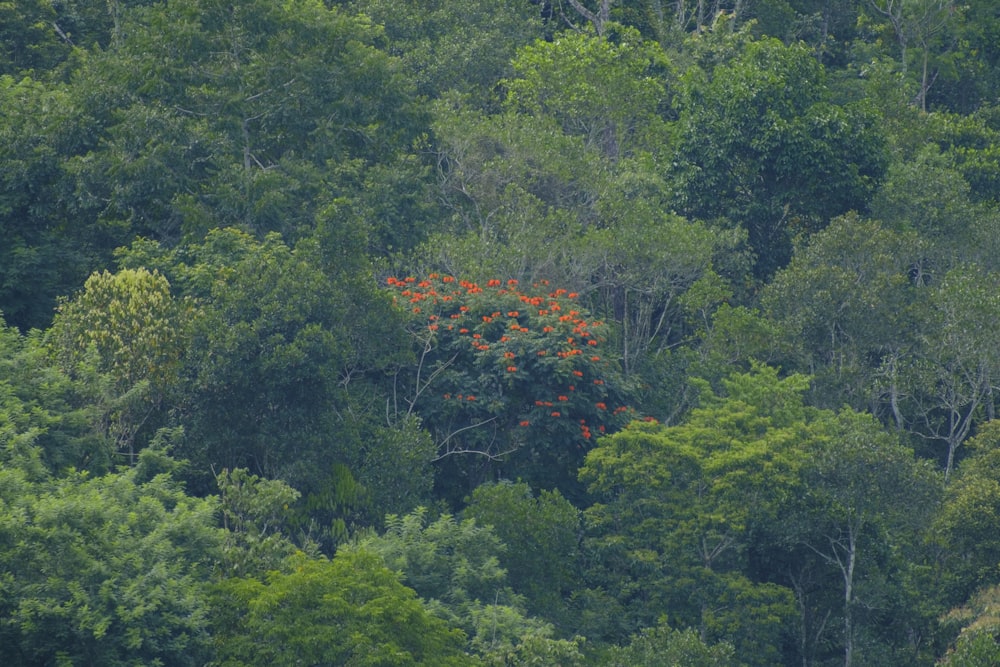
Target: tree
(109,569)
(843,310)
(512,375)
(283,372)
(454,567)
(919,24)
(955,370)
(761,145)
(541,532)
(865,487)
(48,417)
(677,508)
(138,332)
(448,46)
(663,646)
(965,525)
(350,610)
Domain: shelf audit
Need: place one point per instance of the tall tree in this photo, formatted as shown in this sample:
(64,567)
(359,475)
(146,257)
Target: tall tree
(760,144)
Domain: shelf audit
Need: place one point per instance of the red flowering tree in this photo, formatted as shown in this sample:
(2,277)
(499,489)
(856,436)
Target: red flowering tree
(516,377)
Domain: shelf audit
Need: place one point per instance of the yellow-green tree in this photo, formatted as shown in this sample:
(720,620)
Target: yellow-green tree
(129,326)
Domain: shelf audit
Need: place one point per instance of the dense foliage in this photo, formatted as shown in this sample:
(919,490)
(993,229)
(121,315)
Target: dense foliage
(419,332)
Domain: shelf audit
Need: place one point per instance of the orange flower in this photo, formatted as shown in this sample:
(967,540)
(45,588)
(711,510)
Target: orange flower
(508,355)
(542,353)
(512,313)
(563,398)
(487,318)
(525,423)
(448,279)
(476,336)
(511,282)
(601,406)
(579,374)
(555,414)
(548,329)
(463,331)
(470,398)
(591,342)
(493,283)
(595,358)
(512,369)
(432,327)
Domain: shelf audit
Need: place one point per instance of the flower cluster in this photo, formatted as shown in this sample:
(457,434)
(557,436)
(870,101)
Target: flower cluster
(531,356)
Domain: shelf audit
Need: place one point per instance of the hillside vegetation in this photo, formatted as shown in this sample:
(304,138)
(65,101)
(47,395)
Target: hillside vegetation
(531,332)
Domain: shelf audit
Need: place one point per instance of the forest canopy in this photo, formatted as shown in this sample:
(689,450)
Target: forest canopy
(533,332)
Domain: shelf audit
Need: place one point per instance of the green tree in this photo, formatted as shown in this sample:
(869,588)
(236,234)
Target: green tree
(110,569)
(454,567)
(844,310)
(138,332)
(542,559)
(663,646)
(463,47)
(865,488)
(350,610)
(283,374)
(678,507)
(46,415)
(965,526)
(761,144)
